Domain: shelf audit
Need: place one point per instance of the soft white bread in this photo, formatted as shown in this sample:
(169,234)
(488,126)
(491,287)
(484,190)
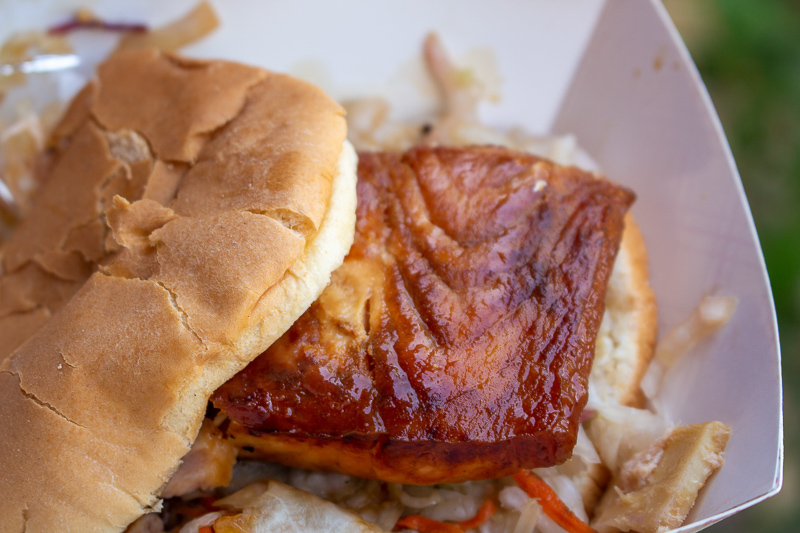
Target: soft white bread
(626,340)
(193,211)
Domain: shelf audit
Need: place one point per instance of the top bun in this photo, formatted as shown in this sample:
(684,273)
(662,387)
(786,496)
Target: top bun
(192,211)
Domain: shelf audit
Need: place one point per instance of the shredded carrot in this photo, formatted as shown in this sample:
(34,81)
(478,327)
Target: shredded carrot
(206,529)
(486,511)
(551,504)
(429,525)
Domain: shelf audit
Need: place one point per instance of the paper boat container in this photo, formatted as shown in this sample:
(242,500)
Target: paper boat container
(615,74)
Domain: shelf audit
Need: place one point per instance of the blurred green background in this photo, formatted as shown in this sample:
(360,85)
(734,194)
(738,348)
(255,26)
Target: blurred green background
(748,53)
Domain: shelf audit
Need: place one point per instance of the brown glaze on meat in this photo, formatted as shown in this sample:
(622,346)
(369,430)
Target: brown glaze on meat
(456,340)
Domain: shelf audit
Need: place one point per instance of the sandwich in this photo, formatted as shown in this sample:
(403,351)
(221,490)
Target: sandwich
(209,218)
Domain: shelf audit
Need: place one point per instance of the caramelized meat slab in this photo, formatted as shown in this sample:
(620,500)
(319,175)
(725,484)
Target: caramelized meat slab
(456,340)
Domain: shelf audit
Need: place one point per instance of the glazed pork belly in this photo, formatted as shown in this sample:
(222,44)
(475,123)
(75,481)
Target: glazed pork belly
(456,341)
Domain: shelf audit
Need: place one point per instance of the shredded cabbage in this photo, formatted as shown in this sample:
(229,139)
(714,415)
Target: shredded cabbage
(270,506)
(513,498)
(584,449)
(529,517)
(408,500)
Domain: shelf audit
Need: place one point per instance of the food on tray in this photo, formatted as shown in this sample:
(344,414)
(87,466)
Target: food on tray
(461,253)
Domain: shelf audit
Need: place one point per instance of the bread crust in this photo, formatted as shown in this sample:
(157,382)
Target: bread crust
(181,289)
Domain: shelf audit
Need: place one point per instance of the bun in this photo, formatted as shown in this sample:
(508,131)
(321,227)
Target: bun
(194,210)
